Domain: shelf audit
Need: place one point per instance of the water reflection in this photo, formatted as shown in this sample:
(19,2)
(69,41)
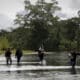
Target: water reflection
(73,70)
(63,74)
(18,71)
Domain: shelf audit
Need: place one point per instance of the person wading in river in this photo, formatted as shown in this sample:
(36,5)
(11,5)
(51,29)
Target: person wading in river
(73,55)
(8,56)
(18,55)
(41,56)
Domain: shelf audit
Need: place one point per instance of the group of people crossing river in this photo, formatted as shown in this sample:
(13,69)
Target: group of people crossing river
(18,54)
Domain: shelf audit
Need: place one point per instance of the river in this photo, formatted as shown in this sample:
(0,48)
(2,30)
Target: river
(59,62)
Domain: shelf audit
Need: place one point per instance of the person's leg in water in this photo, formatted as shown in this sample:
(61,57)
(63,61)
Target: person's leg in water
(18,60)
(73,70)
(10,60)
(73,63)
(41,58)
(7,60)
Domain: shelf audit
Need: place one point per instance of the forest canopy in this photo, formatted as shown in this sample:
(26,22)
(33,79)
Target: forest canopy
(39,26)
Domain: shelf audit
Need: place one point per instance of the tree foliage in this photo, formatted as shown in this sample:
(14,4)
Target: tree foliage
(38,25)
(4,43)
(40,19)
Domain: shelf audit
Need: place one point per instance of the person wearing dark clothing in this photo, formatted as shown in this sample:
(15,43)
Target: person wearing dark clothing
(73,55)
(41,54)
(18,55)
(8,56)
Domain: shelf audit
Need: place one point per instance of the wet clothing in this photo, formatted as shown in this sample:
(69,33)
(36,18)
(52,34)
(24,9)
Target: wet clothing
(8,57)
(40,55)
(73,58)
(18,55)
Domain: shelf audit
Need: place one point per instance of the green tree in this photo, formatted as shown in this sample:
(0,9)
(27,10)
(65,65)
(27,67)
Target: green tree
(40,18)
(19,37)
(4,43)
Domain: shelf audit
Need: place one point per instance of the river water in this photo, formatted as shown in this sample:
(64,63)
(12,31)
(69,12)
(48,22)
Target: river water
(21,72)
(40,75)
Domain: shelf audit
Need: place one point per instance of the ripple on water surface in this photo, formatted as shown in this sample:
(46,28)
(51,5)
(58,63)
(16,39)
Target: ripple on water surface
(41,75)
